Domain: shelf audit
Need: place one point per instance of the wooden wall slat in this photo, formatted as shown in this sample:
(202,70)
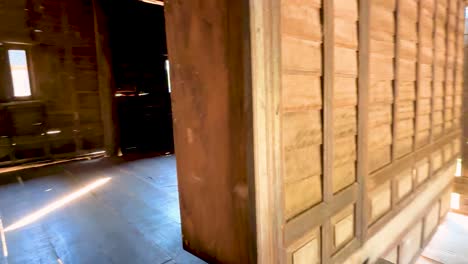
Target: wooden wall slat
(382,29)
(302,122)
(406,46)
(424,73)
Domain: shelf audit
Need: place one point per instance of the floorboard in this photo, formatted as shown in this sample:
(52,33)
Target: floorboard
(132,218)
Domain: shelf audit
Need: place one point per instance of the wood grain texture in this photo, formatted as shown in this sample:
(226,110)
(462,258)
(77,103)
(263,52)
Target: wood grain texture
(344,75)
(212,110)
(301,129)
(265,35)
(362,83)
(439,65)
(424,73)
(364,97)
(382,73)
(406,44)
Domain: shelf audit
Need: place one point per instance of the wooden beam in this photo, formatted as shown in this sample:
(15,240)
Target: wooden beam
(265,38)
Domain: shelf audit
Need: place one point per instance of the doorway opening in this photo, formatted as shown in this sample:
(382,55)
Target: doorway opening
(140,65)
(87,208)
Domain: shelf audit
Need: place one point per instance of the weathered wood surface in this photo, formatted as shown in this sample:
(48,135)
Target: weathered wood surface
(210,73)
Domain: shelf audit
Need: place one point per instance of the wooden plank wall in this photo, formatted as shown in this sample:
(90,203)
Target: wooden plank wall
(386,74)
(59,38)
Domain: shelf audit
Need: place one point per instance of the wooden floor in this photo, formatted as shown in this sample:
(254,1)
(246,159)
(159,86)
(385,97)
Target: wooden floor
(450,242)
(131,218)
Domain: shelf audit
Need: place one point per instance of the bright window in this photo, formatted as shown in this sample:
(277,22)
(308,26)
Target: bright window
(19,73)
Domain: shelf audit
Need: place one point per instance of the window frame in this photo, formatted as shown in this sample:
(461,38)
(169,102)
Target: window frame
(9,93)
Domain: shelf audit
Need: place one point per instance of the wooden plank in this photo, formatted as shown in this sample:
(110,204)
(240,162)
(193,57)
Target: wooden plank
(329,77)
(424,74)
(265,37)
(213,127)
(330,51)
(363,126)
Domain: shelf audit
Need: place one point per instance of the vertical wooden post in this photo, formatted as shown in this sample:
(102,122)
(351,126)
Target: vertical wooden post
(328,120)
(363,116)
(465,108)
(396,81)
(266,84)
(444,83)
(418,85)
(105,79)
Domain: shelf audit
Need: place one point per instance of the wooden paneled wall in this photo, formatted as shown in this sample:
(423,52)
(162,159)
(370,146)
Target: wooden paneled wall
(369,110)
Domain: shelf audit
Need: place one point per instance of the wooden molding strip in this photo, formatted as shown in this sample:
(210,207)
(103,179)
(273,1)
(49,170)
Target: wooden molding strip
(363,116)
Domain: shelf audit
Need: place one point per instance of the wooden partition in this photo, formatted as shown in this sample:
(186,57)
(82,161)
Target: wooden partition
(211,99)
(367,102)
(354,122)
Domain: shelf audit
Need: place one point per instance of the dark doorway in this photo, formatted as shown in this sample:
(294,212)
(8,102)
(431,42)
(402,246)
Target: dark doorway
(139,59)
